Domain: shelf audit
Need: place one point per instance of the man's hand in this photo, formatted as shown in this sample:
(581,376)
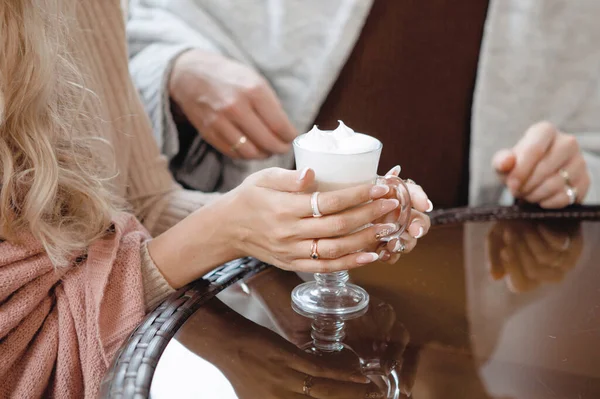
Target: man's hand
(233,107)
(541,167)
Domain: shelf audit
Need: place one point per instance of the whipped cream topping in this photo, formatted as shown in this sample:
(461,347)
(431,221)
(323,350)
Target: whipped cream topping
(342,140)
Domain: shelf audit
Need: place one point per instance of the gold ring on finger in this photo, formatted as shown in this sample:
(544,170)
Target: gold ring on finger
(314,253)
(565,175)
(241,141)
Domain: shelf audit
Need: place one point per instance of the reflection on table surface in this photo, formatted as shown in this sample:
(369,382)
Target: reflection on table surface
(480,310)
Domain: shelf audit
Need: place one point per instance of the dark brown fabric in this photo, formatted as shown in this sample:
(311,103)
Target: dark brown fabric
(409,82)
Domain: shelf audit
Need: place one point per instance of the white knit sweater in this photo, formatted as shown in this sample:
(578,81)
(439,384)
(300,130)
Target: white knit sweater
(540,60)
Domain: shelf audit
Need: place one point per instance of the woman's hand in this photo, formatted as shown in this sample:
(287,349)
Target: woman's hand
(532,168)
(271,218)
(232,106)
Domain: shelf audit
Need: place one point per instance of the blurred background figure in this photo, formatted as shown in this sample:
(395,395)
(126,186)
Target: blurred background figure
(455,91)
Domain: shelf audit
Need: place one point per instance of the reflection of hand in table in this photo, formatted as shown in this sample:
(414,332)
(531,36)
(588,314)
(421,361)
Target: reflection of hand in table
(261,364)
(528,254)
(379,336)
(376,331)
(376,335)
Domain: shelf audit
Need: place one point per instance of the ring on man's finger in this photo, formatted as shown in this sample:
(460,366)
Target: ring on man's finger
(241,141)
(565,175)
(571,193)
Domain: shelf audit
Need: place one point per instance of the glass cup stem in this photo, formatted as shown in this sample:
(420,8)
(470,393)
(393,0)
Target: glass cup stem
(332,281)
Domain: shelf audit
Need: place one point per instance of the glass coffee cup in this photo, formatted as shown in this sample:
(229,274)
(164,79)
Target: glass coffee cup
(330,293)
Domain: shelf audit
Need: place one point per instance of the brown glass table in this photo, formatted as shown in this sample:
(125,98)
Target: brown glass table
(493,303)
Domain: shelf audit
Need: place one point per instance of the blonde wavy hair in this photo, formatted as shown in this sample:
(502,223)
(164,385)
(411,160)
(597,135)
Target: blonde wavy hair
(55,183)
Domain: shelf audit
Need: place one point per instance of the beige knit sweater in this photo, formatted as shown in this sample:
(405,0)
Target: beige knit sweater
(144,178)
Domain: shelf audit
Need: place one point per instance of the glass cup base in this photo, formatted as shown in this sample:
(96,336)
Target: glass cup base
(312,298)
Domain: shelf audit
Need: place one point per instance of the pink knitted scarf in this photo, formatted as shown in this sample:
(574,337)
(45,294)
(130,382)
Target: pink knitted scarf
(59,329)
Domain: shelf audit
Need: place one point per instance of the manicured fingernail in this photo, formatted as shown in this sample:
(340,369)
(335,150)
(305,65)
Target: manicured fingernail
(384,255)
(303,174)
(379,191)
(367,257)
(430,208)
(385,229)
(389,205)
(420,231)
(395,171)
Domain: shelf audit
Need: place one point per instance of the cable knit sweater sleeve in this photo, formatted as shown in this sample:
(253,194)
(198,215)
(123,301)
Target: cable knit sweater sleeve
(144,178)
(156,38)
(158,32)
